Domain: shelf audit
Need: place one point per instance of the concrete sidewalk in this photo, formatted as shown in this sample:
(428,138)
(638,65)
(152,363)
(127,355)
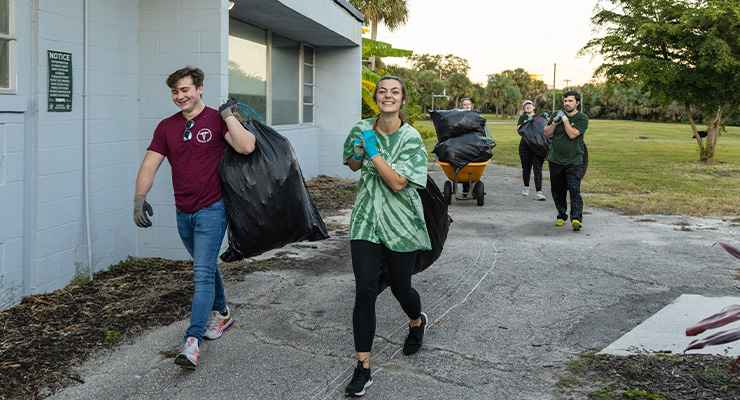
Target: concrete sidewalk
(512,298)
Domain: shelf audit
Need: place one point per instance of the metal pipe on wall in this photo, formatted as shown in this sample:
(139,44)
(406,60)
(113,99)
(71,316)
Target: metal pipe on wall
(85,131)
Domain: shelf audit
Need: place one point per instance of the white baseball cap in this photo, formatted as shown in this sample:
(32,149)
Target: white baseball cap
(527,101)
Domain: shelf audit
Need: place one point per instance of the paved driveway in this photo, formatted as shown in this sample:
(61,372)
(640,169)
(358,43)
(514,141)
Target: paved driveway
(512,297)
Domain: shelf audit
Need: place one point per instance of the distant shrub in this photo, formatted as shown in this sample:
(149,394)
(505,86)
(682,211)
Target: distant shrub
(426,132)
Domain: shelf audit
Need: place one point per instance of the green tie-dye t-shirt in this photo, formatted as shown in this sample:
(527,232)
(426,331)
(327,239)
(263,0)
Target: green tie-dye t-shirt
(379,215)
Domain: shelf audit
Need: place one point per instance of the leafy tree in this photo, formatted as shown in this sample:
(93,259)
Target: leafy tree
(538,94)
(529,89)
(521,79)
(478,96)
(459,85)
(687,51)
(391,13)
(377,48)
(557,96)
(369,79)
(444,65)
(503,93)
(428,84)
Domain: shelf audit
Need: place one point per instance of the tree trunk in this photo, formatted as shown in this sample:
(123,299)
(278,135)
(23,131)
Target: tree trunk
(374,29)
(373,36)
(716,122)
(704,154)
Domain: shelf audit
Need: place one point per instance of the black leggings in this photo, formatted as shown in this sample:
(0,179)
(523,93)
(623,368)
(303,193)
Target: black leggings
(530,161)
(366,258)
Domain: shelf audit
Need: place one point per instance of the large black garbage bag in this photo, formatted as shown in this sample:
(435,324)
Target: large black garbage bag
(266,199)
(453,123)
(438,224)
(533,132)
(461,150)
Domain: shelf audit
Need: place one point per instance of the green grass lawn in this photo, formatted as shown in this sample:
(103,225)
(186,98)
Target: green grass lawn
(659,173)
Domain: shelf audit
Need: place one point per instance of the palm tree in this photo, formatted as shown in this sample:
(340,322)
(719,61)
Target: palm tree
(391,13)
(459,85)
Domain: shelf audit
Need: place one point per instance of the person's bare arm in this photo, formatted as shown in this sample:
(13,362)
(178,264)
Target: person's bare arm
(549,129)
(353,164)
(147,171)
(570,130)
(391,177)
(238,137)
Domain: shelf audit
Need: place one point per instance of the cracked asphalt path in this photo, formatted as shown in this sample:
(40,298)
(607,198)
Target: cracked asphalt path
(512,298)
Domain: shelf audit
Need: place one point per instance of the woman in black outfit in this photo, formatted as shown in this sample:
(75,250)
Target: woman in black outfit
(530,160)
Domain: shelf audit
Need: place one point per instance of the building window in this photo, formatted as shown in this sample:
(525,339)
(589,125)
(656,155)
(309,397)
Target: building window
(6,46)
(271,73)
(308,64)
(285,67)
(248,65)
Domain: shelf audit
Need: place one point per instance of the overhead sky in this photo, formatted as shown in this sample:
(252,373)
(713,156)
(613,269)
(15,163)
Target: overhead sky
(498,35)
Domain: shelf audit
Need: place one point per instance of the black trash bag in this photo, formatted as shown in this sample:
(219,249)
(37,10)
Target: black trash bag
(266,199)
(585,160)
(533,132)
(453,123)
(438,224)
(461,150)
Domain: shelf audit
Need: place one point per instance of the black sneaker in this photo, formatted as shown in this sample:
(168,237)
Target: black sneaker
(361,380)
(415,337)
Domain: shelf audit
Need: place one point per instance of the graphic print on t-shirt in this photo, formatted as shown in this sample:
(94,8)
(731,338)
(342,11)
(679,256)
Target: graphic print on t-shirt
(204,135)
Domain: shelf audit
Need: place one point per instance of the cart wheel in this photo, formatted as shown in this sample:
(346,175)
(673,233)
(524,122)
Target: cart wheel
(448,192)
(479,192)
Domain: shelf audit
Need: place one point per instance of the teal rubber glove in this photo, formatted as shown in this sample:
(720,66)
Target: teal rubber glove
(359,150)
(371,143)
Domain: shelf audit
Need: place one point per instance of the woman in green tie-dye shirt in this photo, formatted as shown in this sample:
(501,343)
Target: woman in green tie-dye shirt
(387,220)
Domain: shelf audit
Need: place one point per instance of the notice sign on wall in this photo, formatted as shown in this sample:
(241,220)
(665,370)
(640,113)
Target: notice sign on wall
(60,81)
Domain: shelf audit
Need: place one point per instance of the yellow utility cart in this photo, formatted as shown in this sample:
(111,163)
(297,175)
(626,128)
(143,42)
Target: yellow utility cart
(471,174)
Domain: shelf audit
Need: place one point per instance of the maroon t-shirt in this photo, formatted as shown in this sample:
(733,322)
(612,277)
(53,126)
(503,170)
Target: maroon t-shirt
(194,163)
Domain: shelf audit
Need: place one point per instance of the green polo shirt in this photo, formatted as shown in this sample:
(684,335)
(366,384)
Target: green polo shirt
(565,150)
(380,215)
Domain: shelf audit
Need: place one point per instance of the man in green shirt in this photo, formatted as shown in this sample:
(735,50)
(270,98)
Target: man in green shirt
(566,159)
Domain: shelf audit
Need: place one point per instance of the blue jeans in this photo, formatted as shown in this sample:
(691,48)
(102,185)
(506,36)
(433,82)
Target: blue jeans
(202,233)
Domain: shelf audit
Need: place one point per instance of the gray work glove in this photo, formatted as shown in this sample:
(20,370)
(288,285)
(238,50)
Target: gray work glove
(559,117)
(141,208)
(229,108)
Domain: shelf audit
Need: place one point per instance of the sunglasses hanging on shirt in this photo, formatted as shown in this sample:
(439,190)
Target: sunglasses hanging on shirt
(187,135)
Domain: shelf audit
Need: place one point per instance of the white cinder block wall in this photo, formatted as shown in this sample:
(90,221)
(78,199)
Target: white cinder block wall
(337,108)
(305,141)
(16,140)
(12,211)
(59,223)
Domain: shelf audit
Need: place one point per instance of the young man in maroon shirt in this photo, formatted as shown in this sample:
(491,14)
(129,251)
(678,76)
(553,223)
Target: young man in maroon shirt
(193,141)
